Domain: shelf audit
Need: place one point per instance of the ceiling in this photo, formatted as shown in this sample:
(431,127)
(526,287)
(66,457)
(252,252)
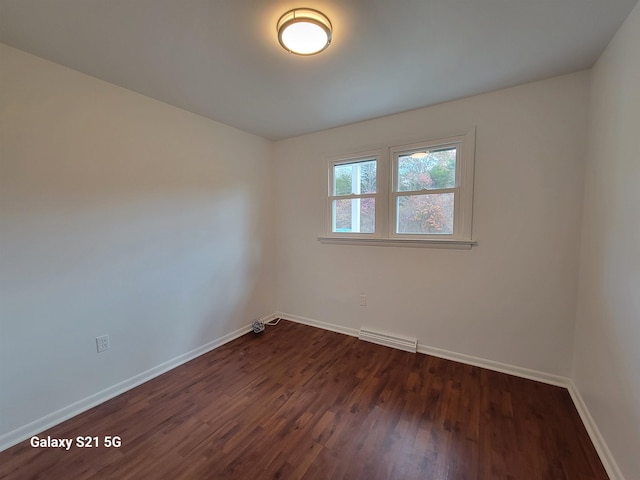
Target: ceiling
(221,58)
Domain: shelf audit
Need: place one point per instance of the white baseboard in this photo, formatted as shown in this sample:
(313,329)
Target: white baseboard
(446,354)
(604,453)
(352,332)
(522,372)
(598,441)
(44,423)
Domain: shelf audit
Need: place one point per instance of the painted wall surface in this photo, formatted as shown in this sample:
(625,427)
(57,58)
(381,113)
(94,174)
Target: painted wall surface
(607,347)
(119,215)
(511,299)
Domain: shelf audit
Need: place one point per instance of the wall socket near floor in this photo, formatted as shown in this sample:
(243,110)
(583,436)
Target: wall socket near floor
(363,299)
(102,343)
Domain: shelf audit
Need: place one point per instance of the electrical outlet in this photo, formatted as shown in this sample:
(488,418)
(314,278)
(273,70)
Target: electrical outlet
(102,343)
(363,300)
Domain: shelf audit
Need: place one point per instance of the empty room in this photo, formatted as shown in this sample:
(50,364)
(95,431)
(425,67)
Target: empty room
(334,239)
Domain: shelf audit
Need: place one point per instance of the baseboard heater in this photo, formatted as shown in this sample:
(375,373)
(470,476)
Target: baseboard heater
(407,344)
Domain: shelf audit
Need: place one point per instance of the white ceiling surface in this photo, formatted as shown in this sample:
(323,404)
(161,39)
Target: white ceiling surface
(221,58)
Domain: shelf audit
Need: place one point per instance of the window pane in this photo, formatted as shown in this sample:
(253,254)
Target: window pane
(356,215)
(427,170)
(426,214)
(354,178)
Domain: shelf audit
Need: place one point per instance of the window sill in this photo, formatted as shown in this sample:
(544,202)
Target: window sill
(400,242)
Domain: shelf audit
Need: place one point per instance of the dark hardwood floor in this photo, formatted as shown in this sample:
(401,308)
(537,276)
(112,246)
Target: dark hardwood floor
(301,403)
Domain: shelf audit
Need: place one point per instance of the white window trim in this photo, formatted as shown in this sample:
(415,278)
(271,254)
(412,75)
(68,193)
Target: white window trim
(399,242)
(385,197)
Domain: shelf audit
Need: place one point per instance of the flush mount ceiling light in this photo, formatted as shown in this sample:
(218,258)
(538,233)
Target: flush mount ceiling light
(304,31)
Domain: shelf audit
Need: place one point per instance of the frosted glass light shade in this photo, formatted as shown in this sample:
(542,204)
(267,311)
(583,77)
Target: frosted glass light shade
(304,31)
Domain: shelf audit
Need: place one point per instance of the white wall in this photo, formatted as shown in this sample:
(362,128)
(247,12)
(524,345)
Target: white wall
(607,347)
(124,216)
(511,299)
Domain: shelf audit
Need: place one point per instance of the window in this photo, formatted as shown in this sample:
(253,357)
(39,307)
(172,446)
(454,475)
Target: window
(421,193)
(352,195)
(424,191)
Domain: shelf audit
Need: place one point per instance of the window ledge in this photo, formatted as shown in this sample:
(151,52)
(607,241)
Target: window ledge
(400,242)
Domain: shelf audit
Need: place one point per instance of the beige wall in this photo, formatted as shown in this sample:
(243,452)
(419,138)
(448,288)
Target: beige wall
(607,353)
(124,216)
(511,299)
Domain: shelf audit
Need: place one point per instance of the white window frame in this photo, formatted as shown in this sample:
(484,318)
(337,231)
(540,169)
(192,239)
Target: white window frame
(373,155)
(462,190)
(386,195)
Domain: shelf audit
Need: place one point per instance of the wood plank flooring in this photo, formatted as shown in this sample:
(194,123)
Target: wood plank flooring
(302,403)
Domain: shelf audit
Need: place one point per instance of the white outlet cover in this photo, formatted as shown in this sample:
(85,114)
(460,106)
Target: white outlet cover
(102,343)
